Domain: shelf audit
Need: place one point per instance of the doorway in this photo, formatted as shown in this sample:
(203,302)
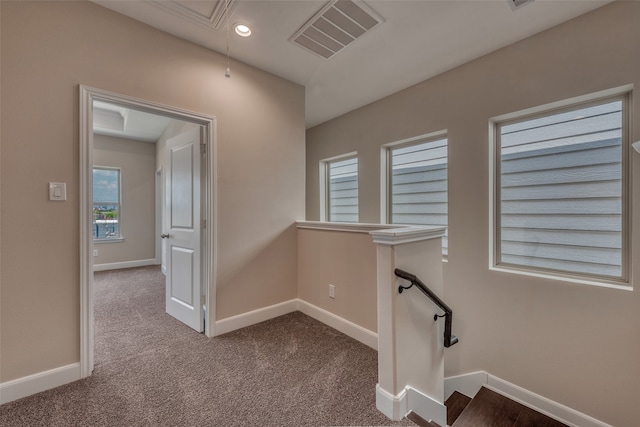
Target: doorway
(205,197)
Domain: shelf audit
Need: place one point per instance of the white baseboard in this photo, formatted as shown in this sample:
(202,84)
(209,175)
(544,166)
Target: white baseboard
(410,399)
(256,316)
(124,264)
(348,328)
(543,405)
(426,407)
(36,383)
(393,407)
(469,384)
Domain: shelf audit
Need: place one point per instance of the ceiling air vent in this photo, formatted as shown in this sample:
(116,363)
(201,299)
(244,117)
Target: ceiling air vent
(335,26)
(516,4)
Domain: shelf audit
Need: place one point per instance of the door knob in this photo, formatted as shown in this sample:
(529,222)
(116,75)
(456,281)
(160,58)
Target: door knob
(164,236)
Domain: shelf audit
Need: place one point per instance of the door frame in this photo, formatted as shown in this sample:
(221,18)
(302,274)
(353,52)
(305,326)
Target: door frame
(208,202)
(159,177)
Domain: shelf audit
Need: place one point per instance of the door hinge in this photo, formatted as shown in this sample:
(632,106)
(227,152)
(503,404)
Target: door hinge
(203,148)
(203,223)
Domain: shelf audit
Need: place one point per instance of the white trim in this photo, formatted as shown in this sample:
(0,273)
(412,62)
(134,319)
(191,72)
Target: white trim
(594,96)
(213,21)
(352,330)
(348,227)
(357,332)
(385,167)
(407,234)
(344,156)
(625,281)
(209,242)
(323,189)
(159,203)
(36,383)
(210,248)
(323,168)
(256,316)
(469,384)
(385,180)
(522,271)
(428,408)
(543,405)
(384,234)
(107,241)
(86,233)
(393,407)
(124,264)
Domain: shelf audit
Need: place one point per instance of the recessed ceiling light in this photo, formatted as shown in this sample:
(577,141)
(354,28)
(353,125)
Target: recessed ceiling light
(242,30)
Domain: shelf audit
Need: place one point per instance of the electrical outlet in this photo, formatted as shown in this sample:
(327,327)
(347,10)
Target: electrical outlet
(332,291)
(95,252)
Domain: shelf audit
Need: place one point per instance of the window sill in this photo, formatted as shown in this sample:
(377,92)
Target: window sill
(118,240)
(577,280)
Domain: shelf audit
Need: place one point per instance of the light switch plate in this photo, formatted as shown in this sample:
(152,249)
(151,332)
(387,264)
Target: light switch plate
(57,191)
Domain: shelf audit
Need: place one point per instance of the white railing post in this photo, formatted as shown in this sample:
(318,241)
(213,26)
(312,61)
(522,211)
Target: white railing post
(410,342)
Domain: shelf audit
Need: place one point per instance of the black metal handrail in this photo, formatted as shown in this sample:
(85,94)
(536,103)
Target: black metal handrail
(449,339)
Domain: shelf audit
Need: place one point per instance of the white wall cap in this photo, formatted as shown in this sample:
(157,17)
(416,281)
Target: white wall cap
(345,226)
(408,234)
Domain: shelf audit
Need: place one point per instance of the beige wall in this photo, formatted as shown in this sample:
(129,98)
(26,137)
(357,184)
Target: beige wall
(48,49)
(575,344)
(137,163)
(326,257)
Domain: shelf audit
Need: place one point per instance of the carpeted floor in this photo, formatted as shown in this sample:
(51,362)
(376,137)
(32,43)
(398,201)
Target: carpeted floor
(153,371)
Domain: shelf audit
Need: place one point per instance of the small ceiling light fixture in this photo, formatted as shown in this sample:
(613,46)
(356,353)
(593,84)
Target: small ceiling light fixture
(242,30)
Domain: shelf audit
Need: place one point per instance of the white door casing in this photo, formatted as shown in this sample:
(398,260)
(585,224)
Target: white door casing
(208,274)
(159,218)
(182,232)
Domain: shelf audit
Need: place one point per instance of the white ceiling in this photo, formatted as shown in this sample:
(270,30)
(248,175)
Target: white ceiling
(417,40)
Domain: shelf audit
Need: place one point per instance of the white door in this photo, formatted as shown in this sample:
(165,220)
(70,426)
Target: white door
(182,229)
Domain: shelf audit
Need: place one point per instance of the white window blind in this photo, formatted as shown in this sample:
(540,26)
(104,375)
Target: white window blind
(418,185)
(561,191)
(343,190)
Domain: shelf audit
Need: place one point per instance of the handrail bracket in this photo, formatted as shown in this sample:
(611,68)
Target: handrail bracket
(449,339)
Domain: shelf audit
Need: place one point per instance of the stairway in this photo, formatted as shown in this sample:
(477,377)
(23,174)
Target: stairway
(488,408)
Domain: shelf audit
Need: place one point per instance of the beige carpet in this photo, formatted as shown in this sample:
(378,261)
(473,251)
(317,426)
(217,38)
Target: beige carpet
(153,371)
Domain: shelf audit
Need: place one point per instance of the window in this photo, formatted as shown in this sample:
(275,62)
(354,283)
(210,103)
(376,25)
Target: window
(560,192)
(341,189)
(106,203)
(417,189)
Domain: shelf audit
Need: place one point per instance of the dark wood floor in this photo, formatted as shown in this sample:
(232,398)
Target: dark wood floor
(455,405)
(489,408)
(421,422)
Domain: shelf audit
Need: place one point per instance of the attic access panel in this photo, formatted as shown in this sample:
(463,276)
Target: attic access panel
(516,4)
(338,24)
(212,14)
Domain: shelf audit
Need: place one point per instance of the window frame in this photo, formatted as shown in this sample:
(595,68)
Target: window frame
(622,94)
(119,237)
(325,184)
(386,168)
